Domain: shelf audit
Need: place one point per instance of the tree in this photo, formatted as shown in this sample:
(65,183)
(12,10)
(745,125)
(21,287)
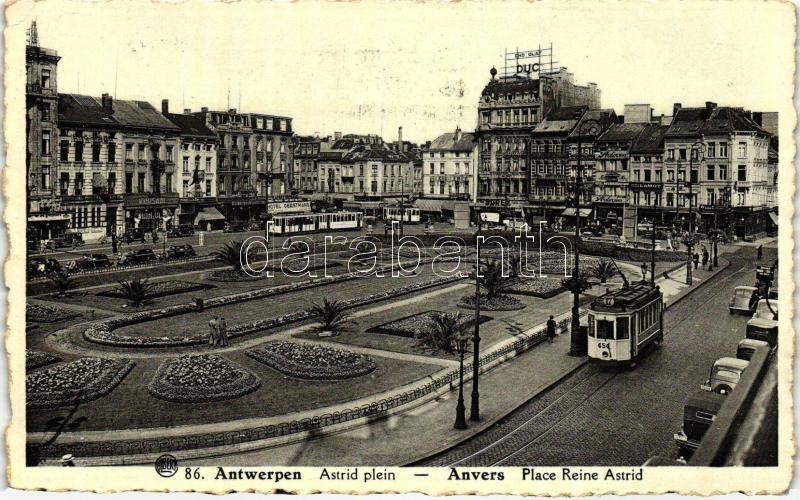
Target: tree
(136,290)
(332,316)
(494,281)
(445,327)
(230,254)
(580,281)
(62,281)
(603,270)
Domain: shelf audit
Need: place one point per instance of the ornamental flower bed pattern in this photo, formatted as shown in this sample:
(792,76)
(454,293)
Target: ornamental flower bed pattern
(79,381)
(197,378)
(161,289)
(543,288)
(411,326)
(499,303)
(40,313)
(37,359)
(102,332)
(311,361)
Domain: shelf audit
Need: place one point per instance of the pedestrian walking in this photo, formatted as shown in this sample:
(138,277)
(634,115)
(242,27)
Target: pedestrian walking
(759,252)
(223,332)
(213,331)
(705,257)
(551,330)
(696,259)
(644,271)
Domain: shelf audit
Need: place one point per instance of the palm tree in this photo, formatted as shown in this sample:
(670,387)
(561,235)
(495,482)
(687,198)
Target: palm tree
(580,281)
(331,315)
(494,281)
(62,281)
(136,290)
(231,254)
(603,270)
(445,327)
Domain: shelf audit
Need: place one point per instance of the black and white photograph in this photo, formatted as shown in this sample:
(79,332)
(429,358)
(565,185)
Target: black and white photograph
(446,247)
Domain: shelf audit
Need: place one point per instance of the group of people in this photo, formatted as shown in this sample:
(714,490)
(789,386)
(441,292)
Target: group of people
(704,255)
(218,332)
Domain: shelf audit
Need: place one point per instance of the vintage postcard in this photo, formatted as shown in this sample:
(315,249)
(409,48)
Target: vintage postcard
(495,247)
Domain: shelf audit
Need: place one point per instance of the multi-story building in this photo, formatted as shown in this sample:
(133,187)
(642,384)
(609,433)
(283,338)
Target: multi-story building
(116,164)
(254,160)
(447,173)
(44,215)
(549,163)
(718,161)
(306,162)
(508,111)
(414,153)
(646,184)
(196,170)
(612,172)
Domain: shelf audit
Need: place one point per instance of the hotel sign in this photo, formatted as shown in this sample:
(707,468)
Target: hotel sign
(285,207)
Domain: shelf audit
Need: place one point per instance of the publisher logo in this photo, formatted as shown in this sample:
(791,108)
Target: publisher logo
(166,465)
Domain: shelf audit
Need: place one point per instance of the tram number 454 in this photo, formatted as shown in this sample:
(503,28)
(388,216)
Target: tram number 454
(603,345)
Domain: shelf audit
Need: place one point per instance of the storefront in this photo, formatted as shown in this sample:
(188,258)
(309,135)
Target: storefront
(209,219)
(148,212)
(43,226)
(568,216)
(241,210)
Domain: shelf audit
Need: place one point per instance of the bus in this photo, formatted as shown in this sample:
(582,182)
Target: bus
(311,223)
(408,214)
(622,323)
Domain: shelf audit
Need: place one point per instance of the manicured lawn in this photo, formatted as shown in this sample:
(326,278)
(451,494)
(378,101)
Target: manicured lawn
(131,406)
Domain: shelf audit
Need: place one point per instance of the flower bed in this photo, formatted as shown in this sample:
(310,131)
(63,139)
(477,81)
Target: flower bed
(37,359)
(40,313)
(297,265)
(311,361)
(102,332)
(411,326)
(228,275)
(499,303)
(161,289)
(195,378)
(79,381)
(538,287)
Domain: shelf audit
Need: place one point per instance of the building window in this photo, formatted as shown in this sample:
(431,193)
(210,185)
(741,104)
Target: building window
(79,150)
(79,184)
(741,150)
(723,172)
(112,182)
(45,78)
(208,164)
(45,143)
(185,163)
(112,152)
(670,154)
(141,154)
(168,184)
(723,149)
(96,152)
(140,185)
(63,184)
(45,111)
(741,174)
(128,182)
(197,163)
(45,178)
(169,154)
(129,152)
(185,188)
(64,151)
(711,150)
(710,172)
(208,188)
(681,154)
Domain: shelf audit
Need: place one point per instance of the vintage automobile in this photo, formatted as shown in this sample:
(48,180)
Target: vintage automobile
(131,235)
(699,413)
(180,251)
(180,231)
(90,262)
(234,228)
(138,256)
(68,240)
(740,302)
(746,348)
(725,374)
(40,266)
(764,323)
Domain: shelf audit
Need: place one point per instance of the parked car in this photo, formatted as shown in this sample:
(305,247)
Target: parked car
(41,266)
(699,412)
(138,256)
(68,240)
(764,323)
(180,251)
(725,374)
(255,226)
(89,262)
(740,302)
(180,231)
(234,228)
(131,235)
(746,348)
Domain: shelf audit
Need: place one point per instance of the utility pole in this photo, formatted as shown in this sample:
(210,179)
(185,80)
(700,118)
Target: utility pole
(474,410)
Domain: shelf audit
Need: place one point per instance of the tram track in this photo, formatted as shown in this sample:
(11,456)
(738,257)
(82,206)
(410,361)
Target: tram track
(500,447)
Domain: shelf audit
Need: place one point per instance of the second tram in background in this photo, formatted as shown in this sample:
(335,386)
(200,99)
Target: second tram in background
(408,214)
(622,323)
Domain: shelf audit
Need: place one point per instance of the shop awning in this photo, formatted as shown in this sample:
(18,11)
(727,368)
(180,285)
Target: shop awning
(570,212)
(428,205)
(208,214)
(48,218)
(774,217)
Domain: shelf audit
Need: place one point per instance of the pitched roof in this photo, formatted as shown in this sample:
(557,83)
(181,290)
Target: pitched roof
(717,120)
(510,85)
(191,125)
(88,110)
(605,117)
(561,120)
(618,132)
(448,142)
(651,140)
(364,152)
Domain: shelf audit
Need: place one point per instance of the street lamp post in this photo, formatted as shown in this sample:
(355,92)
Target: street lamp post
(474,409)
(576,347)
(461,347)
(690,241)
(267,176)
(653,254)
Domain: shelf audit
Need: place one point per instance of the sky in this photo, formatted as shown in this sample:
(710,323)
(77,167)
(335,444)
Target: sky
(369,67)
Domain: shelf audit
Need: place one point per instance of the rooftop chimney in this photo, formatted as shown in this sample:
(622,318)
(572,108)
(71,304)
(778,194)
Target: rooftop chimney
(204,109)
(187,111)
(337,136)
(457,136)
(164,106)
(232,111)
(675,108)
(108,103)
(400,137)
(710,106)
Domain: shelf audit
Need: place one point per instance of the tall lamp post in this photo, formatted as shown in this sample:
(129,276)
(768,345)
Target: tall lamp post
(461,347)
(576,344)
(267,177)
(474,409)
(690,240)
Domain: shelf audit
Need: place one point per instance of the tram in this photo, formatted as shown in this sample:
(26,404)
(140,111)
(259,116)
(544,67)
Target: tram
(310,223)
(408,214)
(624,322)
